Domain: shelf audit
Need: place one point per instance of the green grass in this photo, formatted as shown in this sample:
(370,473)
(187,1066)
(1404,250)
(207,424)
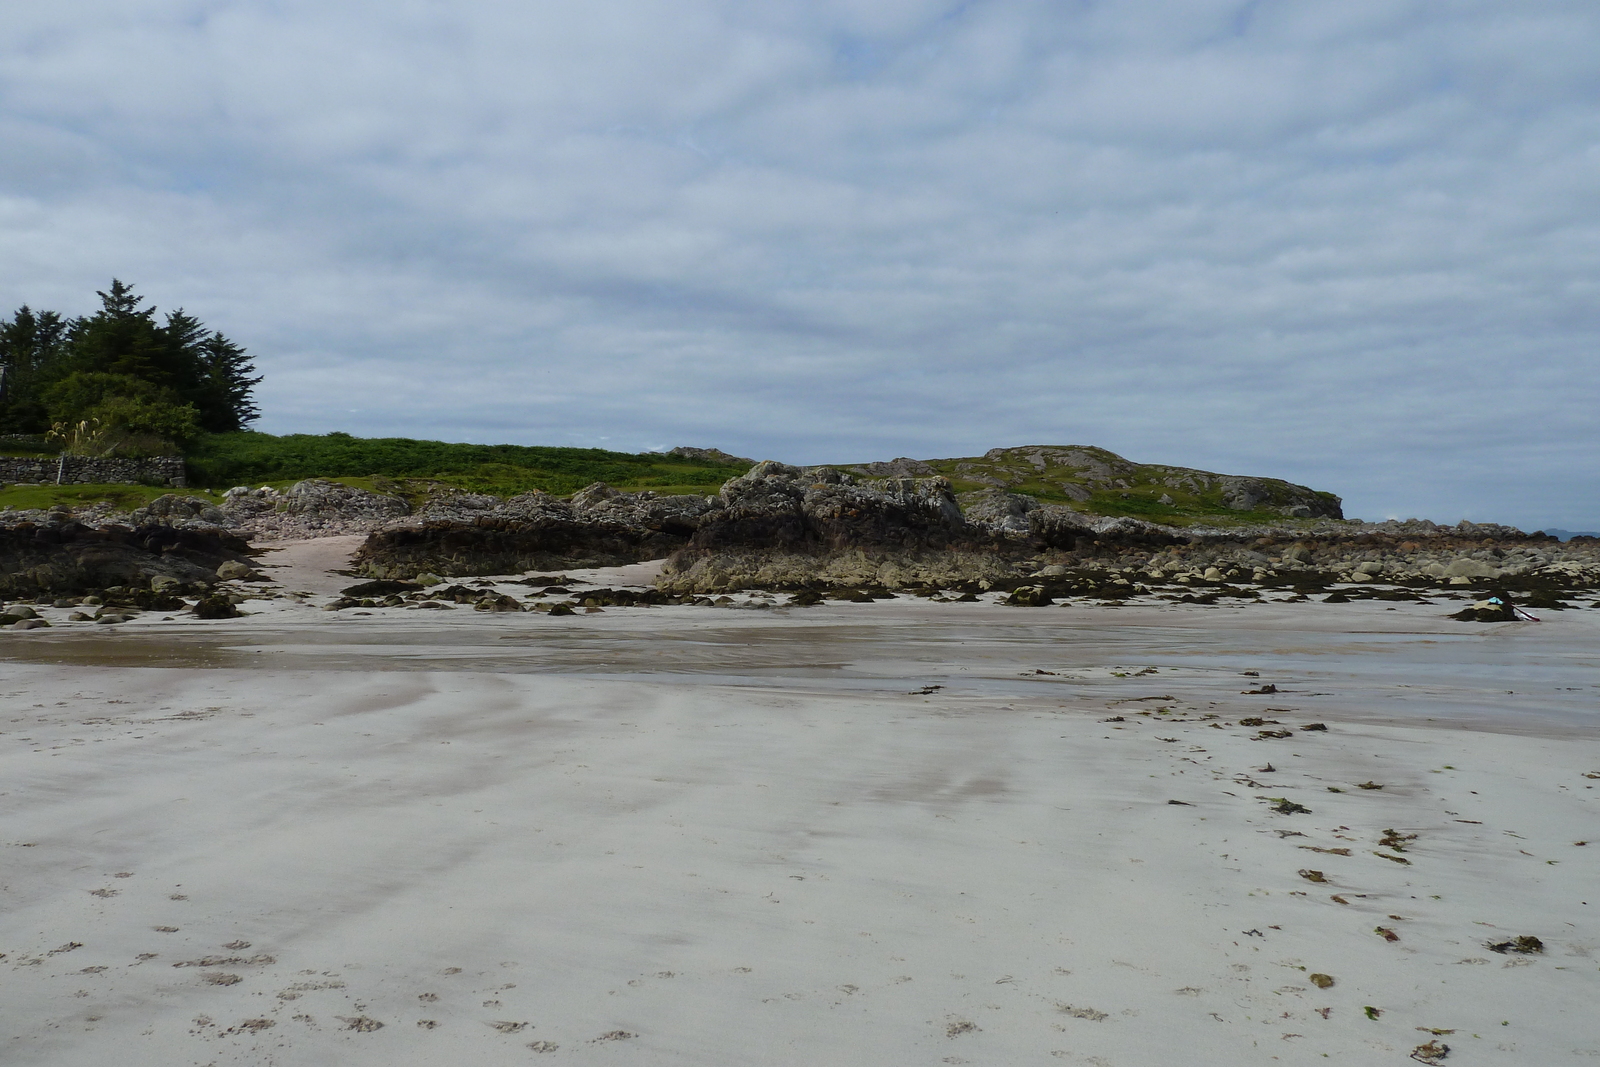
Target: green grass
(123,497)
(224,460)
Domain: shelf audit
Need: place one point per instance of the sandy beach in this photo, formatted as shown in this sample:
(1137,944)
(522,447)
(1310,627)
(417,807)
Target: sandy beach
(852,834)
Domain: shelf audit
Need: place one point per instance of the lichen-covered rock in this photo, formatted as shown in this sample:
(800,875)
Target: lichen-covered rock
(318,498)
(172,510)
(998,511)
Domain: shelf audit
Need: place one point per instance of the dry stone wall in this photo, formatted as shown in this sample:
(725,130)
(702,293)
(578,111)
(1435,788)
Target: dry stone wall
(94,470)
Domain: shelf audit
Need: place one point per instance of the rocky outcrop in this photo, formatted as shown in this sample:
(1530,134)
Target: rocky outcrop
(780,526)
(315,507)
(64,557)
(598,527)
(710,455)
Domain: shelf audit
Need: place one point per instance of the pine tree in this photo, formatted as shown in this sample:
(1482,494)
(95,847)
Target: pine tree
(121,338)
(29,343)
(229,384)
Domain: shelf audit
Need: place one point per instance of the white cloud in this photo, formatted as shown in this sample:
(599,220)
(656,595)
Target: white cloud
(1351,244)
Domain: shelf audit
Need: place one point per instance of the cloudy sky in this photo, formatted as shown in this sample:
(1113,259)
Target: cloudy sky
(1353,244)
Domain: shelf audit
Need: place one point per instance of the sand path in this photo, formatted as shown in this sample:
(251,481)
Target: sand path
(311,565)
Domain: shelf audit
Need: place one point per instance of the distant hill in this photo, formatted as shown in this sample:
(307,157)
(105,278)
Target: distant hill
(1567,535)
(1104,483)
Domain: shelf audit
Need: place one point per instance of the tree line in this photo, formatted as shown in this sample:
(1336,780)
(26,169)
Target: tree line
(120,381)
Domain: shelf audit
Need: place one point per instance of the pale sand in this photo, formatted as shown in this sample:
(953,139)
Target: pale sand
(743,837)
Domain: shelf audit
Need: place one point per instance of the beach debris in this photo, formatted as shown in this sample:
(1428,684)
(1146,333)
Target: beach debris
(1084,1013)
(925,690)
(252,1026)
(1257,721)
(543,1046)
(614,1035)
(1114,718)
(1433,1052)
(361,1024)
(1251,674)
(959,1027)
(1337,899)
(1386,933)
(1392,859)
(1182,803)
(1525,944)
(509,1027)
(1372,1013)
(1435,1031)
(1285,806)
(1266,690)
(1268,769)
(1395,839)
(1368,785)
(1272,735)
(1321,981)
(1329,851)
(1315,726)
(1312,876)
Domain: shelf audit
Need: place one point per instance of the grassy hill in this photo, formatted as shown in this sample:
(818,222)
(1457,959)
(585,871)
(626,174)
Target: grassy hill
(1103,483)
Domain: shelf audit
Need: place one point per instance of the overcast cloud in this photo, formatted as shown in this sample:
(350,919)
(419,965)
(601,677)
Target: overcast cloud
(1353,244)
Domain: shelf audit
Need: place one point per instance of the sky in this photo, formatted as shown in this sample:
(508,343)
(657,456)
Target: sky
(1355,245)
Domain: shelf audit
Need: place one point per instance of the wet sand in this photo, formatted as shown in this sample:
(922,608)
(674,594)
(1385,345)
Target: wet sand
(846,835)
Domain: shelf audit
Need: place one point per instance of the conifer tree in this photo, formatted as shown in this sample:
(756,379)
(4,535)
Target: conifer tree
(121,360)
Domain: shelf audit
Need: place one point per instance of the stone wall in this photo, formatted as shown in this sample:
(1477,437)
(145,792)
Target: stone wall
(88,470)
